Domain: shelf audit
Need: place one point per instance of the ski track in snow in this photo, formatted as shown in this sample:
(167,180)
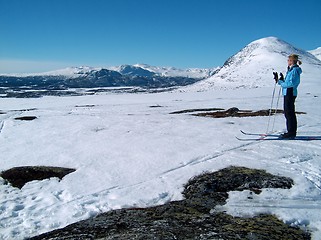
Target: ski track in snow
(205,158)
(156,154)
(1,125)
(300,162)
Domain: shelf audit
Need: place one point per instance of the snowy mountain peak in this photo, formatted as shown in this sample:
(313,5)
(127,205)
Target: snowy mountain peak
(266,48)
(133,70)
(253,65)
(272,43)
(276,45)
(71,71)
(269,41)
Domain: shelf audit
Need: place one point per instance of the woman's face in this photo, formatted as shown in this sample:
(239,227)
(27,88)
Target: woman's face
(290,62)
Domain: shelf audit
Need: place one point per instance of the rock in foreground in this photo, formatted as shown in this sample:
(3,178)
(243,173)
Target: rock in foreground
(19,176)
(231,112)
(191,218)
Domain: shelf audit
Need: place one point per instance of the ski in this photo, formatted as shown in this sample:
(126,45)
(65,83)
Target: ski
(256,139)
(297,138)
(260,134)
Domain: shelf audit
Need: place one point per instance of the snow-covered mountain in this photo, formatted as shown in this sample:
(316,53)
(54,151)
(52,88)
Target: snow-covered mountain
(69,72)
(57,82)
(143,76)
(133,70)
(178,72)
(141,70)
(316,52)
(148,70)
(253,65)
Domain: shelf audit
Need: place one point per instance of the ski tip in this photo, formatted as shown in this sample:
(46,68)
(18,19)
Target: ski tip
(243,139)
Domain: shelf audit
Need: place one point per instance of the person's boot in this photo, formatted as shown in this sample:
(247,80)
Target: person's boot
(287,135)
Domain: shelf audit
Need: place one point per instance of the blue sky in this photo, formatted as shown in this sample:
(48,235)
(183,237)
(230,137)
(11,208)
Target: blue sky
(41,35)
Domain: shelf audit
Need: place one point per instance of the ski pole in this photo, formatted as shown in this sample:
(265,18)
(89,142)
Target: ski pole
(270,112)
(276,109)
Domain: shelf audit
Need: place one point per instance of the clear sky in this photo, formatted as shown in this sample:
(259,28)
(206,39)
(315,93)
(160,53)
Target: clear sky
(41,35)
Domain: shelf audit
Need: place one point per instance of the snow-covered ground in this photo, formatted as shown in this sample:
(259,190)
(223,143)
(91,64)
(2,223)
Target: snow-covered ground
(130,154)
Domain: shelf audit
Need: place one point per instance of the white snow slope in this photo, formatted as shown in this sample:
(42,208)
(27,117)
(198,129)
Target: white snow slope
(316,52)
(129,154)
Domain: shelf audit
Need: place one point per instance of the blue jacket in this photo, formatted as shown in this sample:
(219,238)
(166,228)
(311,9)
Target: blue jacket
(292,80)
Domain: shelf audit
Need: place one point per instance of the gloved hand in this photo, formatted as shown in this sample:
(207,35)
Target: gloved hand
(281,76)
(276,77)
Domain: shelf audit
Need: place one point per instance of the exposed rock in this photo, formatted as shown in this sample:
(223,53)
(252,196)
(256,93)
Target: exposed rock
(24,110)
(196,110)
(235,112)
(178,223)
(85,106)
(2,112)
(19,176)
(210,189)
(26,118)
(231,112)
(235,179)
(156,106)
(191,217)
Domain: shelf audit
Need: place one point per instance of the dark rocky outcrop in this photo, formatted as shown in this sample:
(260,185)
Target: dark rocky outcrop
(190,218)
(211,189)
(196,110)
(24,110)
(26,118)
(235,112)
(19,176)
(156,106)
(231,112)
(85,106)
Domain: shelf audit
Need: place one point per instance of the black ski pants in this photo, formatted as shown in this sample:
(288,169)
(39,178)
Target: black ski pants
(289,112)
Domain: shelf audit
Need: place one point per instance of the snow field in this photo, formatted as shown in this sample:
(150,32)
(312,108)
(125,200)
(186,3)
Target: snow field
(127,154)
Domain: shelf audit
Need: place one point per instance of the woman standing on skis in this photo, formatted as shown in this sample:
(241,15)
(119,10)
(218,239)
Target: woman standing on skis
(289,86)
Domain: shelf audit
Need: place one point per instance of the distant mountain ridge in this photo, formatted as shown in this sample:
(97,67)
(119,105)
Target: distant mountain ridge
(142,70)
(70,81)
(251,67)
(139,77)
